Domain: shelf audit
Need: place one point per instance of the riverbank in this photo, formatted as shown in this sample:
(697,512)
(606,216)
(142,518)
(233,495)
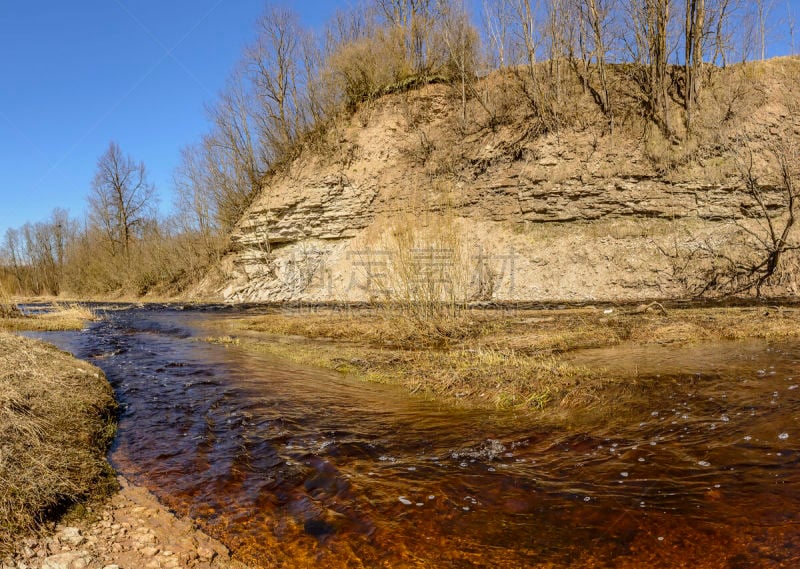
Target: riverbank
(57,420)
(497,359)
(132,530)
(61,505)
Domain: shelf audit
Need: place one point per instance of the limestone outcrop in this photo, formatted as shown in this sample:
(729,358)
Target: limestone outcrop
(577,215)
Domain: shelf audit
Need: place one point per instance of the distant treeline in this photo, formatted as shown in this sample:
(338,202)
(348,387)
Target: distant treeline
(293,84)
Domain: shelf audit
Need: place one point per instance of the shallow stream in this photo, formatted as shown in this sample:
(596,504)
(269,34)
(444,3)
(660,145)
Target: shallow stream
(296,467)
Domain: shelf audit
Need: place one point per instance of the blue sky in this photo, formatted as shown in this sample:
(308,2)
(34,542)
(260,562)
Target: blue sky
(78,74)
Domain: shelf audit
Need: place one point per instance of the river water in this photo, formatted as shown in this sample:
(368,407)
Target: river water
(297,467)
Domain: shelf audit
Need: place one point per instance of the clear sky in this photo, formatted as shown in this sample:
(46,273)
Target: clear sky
(77,74)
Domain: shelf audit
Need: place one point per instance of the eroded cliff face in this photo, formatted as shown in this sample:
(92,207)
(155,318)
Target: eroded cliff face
(578,215)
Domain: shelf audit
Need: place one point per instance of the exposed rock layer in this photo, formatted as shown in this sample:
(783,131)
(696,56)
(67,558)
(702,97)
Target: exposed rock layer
(582,214)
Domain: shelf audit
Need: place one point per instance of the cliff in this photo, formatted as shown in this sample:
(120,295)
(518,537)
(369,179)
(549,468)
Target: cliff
(504,211)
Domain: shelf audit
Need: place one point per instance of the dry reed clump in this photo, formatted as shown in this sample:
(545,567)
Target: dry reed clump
(57,419)
(68,315)
(428,275)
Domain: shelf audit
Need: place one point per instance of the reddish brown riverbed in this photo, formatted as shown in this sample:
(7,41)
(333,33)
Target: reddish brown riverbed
(294,467)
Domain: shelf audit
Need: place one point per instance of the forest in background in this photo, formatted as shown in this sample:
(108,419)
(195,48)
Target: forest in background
(645,63)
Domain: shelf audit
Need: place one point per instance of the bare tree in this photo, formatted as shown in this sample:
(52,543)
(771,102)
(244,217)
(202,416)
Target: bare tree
(233,158)
(596,15)
(273,66)
(235,131)
(496,23)
(527,42)
(36,253)
(719,15)
(649,47)
(195,201)
(12,254)
(315,99)
(121,199)
(461,40)
(694,32)
(762,11)
(558,29)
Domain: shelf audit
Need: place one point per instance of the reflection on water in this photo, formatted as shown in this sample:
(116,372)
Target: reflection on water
(295,467)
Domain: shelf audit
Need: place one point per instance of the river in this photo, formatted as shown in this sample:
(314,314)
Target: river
(297,467)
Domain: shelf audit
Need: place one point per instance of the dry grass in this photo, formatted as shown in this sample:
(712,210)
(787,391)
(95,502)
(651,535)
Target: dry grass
(540,331)
(482,377)
(8,309)
(56,422)
(59,317)
(499,359)
(380,327)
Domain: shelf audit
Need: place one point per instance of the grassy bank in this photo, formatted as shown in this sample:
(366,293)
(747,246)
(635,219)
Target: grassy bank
(56,423)
(59,317)
(496,358)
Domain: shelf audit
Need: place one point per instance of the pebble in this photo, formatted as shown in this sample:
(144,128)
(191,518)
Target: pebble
(71,536)
(149,551)
(133,531)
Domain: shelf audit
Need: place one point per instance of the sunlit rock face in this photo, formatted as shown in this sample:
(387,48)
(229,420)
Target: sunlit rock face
(553,217)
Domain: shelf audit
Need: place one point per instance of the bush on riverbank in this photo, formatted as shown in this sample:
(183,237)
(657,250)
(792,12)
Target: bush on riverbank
(57,419)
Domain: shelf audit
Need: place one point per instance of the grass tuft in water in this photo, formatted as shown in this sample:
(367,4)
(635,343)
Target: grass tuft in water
(59,317)
(515,359)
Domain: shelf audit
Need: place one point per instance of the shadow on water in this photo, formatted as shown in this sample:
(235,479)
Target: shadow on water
(296,467)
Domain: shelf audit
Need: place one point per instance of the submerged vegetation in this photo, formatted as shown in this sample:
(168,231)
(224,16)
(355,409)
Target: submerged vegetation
(57,420)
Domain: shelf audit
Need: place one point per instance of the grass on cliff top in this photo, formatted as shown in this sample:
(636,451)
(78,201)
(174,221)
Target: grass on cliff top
(57,419)
(497,358)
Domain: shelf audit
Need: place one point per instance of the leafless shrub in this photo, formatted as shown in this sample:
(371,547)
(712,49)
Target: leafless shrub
(772,235)
(748,254)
